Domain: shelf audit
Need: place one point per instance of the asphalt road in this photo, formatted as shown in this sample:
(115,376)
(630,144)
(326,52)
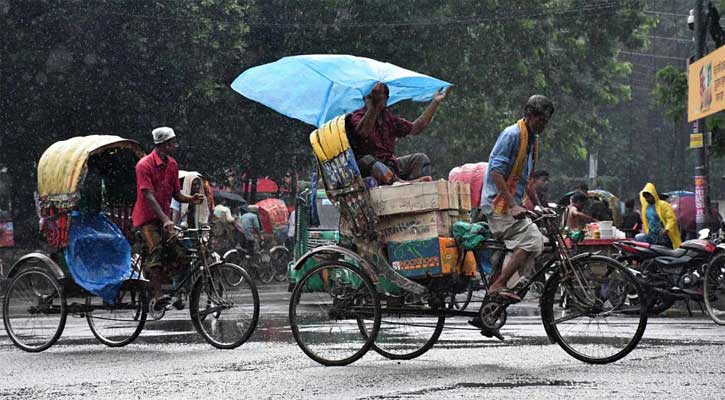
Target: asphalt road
(679,356)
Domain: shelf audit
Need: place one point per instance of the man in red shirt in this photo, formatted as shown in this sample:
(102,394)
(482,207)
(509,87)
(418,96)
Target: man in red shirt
(375,130)
(157,182)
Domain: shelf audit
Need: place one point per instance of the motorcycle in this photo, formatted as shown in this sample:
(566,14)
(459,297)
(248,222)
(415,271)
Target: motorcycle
(669,275)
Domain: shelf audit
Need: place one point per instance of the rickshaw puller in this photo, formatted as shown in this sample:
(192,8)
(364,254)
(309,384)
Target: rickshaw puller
(157,182)
(510,167)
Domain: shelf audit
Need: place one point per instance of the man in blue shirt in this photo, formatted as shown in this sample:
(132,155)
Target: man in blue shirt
(510,165)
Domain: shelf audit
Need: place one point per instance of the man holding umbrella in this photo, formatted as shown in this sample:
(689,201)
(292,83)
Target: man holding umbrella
(374,132)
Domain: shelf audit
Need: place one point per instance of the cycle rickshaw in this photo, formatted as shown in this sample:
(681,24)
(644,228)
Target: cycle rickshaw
(86,189)
(344,306)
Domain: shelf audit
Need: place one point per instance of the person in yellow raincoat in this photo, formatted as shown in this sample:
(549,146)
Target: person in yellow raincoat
(659,223)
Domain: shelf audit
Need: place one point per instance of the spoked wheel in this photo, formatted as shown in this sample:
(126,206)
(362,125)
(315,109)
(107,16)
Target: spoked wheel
(224,306)
(327,307)
(279,261)
(591,315)
(474,294)
(409,327)
(715,289)
(263,264)
(119,324)
(34,310)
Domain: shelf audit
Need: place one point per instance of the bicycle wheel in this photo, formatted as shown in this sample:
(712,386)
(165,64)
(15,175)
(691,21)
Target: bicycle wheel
(474,294)
(590,314)
(118,324)
(224,314)
(279,261)
(34,310)
(459,301)
(263,265)
(408,328)
(325,309)
(715,289)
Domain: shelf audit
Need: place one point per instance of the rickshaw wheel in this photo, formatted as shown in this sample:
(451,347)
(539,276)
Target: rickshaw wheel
(408,329)
(264,267)
(34,310)
(279,261)
(119,324)
(224,306)
(327,306)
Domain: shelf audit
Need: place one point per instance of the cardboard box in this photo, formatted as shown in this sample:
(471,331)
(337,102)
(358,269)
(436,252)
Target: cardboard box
(419,258)
(415,198)
(464,195)
(417,226)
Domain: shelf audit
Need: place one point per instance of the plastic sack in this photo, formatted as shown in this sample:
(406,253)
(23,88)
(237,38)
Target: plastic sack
(98,255)
(471,174)
(471,236)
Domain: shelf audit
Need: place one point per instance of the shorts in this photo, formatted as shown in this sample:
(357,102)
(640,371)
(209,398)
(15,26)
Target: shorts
(160,252)
(517,233)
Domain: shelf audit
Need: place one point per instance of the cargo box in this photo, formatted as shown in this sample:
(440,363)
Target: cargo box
(415,198)
(417,226)
(423,258)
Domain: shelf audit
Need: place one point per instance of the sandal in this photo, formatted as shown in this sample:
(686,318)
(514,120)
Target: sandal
(506,294)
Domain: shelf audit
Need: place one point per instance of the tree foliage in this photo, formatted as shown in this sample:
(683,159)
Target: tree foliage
(117,67)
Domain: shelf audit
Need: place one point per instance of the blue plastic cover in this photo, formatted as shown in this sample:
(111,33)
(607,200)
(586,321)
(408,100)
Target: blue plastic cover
(98,255)
(317,88)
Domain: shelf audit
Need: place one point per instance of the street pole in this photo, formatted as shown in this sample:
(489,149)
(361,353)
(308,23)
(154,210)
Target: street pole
(702,195)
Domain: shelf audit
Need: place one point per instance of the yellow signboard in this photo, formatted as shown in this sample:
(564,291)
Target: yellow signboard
(696,140)
(706,85)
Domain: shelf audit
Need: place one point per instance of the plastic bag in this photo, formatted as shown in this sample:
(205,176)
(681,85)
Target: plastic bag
(471,236)
(98,255)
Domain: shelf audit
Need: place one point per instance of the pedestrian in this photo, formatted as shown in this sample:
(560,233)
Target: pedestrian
(631,220)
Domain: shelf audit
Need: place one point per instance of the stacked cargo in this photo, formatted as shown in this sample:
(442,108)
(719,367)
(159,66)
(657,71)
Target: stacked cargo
(415,222)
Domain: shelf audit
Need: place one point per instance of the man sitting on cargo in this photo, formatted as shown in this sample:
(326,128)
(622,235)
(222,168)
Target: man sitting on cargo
(510,167)
(375,132)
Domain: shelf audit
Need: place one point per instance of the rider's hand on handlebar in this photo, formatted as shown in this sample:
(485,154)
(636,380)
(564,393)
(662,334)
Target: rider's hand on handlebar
(519,212)
(169,227)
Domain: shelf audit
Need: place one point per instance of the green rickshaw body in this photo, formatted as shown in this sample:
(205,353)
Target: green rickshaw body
(308,237)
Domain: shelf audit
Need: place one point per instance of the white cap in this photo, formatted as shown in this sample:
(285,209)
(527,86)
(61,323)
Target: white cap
(163,134)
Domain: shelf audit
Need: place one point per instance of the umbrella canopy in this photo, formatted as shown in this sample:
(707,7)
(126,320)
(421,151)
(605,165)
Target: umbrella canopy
(230,196)
(317,88)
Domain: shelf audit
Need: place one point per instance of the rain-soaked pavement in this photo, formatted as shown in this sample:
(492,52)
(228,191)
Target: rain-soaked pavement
(679,356)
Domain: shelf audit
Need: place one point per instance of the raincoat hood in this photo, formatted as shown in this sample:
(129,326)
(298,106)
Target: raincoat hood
(664,212)
(651,189)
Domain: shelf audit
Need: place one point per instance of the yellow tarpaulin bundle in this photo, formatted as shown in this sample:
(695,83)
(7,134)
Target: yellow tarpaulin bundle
(63,165)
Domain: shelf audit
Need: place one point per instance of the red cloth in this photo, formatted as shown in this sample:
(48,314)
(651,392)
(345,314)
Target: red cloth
(381,143)
(471,174)
(161,177)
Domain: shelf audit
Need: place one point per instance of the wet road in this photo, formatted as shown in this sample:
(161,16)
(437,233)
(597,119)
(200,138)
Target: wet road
(678,357)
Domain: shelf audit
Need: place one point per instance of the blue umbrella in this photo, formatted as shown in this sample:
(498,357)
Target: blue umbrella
(317,88)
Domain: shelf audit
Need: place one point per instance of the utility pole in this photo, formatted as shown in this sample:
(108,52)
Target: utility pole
(702,184)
